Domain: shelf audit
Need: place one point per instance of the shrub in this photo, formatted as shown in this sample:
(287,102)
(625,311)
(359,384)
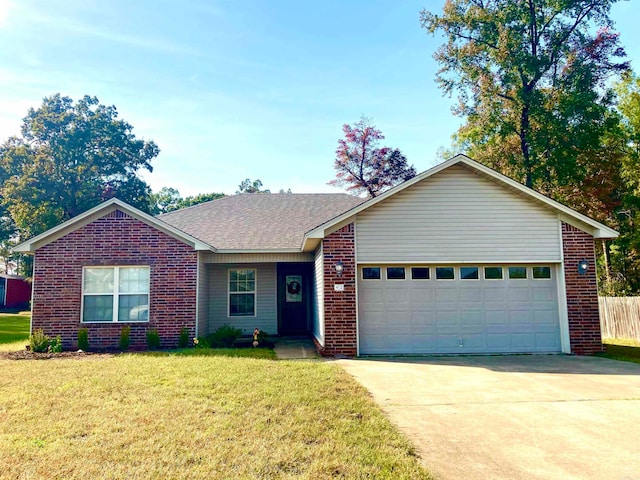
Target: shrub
(38,341)
(124,338)
(200,342)
(224,337)
(183,342)
(153,339)
(55,345)
(83,339)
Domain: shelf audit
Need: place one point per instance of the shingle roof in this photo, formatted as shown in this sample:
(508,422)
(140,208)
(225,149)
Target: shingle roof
(259,221)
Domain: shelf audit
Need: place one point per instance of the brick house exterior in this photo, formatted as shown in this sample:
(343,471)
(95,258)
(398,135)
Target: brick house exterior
(116,239)
(232,261)
(340,306)
(582,292)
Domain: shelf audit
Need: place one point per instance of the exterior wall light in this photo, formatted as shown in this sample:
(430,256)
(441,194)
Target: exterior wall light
(339,268)
(583,266)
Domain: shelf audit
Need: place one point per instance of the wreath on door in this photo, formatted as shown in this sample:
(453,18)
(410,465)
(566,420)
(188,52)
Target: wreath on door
(294,287)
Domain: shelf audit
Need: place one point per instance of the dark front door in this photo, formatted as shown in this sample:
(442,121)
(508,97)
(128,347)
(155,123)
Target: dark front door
(294,302)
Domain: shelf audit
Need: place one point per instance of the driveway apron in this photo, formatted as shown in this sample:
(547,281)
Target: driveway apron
(512,417)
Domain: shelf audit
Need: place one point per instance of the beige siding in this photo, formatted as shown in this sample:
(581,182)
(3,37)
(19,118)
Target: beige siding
(457,216)
(203,297)
(258,257)
(318,296)
(266,313)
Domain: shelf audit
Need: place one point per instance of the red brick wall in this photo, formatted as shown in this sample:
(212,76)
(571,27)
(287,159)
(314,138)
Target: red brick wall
(119,240)
(340,336)
(582,292)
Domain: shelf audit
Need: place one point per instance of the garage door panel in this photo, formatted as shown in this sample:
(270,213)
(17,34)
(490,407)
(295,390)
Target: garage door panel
(458,316)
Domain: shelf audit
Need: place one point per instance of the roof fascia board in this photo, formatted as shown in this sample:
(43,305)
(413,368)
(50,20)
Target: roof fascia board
(99,211)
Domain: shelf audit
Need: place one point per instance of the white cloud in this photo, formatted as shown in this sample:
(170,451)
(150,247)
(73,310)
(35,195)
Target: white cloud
(5,7)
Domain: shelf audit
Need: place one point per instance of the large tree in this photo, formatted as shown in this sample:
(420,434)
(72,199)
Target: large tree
(362,166)
(532,80)
(69,158)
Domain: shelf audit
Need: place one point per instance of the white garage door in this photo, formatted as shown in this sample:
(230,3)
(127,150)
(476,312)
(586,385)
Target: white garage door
(458,309)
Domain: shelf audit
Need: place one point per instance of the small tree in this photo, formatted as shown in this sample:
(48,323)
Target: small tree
(361,166)
(248,186)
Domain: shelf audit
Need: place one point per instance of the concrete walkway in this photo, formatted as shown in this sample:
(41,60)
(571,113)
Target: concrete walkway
(513,417)
(293,348)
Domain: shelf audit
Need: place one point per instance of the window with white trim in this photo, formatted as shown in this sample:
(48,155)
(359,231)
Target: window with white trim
(242,292)
(115,294)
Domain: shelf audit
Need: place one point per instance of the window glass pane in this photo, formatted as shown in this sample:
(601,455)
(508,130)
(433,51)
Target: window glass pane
(133,308)
(98,308)
(371,273)
(517,272)
(242,281)
(98,280)
(541,272)
(445,273)
(242,304)
(469,273)
(420,273)
(493,273)
(134,280)
(395,273)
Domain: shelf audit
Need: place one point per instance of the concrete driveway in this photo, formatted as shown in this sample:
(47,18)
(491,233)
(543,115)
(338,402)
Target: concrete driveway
(513,417)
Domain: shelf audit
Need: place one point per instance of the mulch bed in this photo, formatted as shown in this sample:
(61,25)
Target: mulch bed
(29,355)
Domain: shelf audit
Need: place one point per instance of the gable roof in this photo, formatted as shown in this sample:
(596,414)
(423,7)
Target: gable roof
(99,211)
(566,214)
(259,222)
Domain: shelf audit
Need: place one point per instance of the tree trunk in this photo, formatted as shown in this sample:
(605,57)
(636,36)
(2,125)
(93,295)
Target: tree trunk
(524,146)
(607,260)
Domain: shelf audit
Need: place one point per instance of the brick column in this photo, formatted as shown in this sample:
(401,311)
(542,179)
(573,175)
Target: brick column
(582,292)
(340,336)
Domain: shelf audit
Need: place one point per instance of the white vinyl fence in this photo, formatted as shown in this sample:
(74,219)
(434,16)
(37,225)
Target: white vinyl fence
(620,317)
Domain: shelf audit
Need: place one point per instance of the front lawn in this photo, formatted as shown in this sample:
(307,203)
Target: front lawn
(192,416)
(622,349)
(14,330)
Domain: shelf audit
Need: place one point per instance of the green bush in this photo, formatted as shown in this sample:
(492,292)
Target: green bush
(83,339)
(38,341)
(183,342)
(55,345)
(125,341)
(224,337)
(200,342)
(153,339)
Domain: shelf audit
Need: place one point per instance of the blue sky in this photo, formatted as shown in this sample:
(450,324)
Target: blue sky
(235,89)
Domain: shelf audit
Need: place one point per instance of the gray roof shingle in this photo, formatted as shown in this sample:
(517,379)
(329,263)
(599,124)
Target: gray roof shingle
(259,221)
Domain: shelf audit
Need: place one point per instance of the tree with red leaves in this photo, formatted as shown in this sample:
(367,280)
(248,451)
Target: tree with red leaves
(364,167)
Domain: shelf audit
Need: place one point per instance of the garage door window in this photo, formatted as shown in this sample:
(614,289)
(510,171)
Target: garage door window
(395,273)
(445,273)
(371,273)
(517,273)
(542,273)
(493,273)
(469,273)
(420,273)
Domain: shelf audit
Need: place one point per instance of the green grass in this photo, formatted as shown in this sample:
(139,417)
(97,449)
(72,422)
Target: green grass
(626,350)
(14,328)
(193,415)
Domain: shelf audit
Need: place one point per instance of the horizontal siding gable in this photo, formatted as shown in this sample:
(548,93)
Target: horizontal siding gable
(457,216)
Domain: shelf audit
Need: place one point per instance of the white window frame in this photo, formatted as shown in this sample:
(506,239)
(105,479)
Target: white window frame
(386,273)
(477,267)
(371,279)
(502,277)
(428,269)
(435,274)
(254,292)
(115,293)
(542,279)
